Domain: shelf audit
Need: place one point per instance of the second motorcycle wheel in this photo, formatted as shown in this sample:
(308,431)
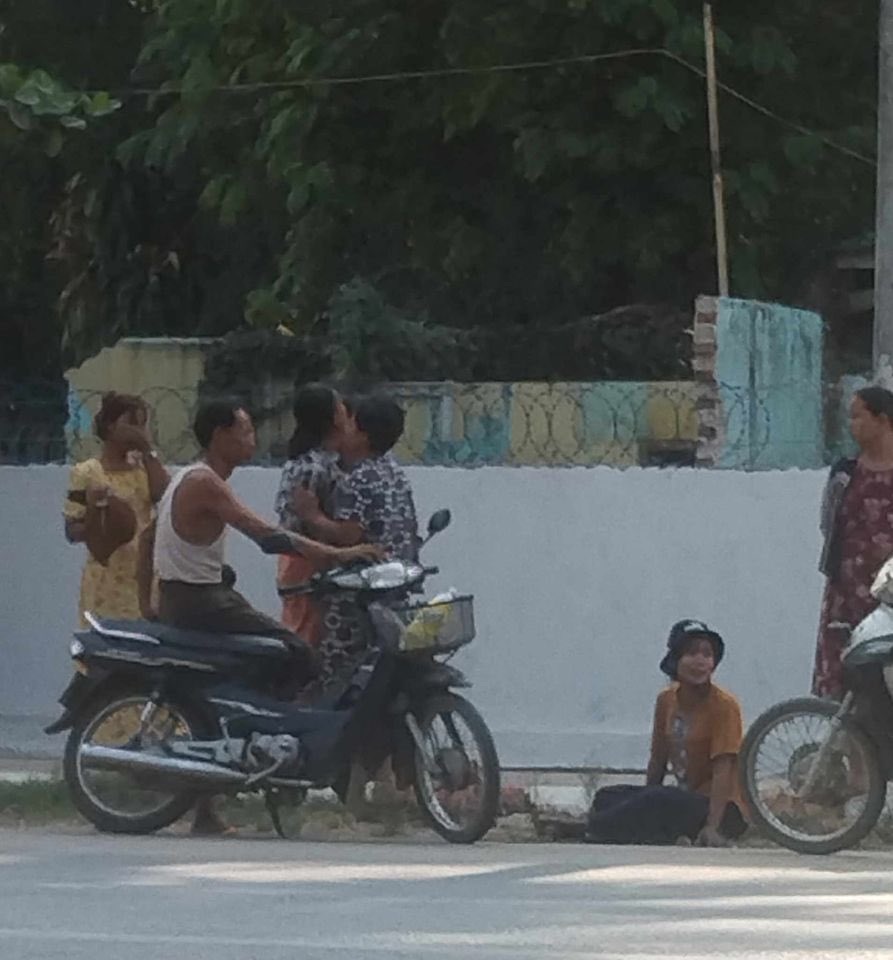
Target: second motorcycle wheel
(810,787)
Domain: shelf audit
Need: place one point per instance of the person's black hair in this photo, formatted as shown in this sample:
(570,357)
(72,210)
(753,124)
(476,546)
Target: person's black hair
(382,420)
(213,414)
(314,409)
(113,407)
(878,401)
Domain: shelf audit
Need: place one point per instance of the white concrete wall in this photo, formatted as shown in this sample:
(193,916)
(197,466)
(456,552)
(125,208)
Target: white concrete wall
(578,575)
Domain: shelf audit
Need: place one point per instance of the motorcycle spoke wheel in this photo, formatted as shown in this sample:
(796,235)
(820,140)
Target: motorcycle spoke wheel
(457,773)
(811,789)
(125,795)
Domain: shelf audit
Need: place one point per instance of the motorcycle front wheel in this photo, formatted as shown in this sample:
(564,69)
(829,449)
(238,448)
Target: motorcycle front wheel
(457,772)
(809,788)
(121,802)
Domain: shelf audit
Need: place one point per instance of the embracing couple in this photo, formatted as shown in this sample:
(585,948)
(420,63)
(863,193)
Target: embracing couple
(341,486)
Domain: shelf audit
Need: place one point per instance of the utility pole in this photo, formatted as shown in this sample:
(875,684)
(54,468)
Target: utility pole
(883,251)
(719,207)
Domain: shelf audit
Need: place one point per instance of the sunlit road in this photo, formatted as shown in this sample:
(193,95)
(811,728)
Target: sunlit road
(80,897)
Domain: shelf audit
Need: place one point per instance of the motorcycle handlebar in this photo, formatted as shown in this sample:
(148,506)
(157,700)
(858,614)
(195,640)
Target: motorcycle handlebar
(318,582)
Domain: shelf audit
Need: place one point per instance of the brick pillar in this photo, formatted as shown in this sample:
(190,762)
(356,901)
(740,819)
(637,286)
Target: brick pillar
(709,402)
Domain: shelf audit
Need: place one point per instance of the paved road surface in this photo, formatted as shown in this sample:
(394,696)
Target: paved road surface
(79,897)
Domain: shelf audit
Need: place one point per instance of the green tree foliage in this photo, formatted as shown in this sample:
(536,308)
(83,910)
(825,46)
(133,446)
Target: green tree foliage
(91,250)
(517,198)
(33,103)
(54,55)
(507,204)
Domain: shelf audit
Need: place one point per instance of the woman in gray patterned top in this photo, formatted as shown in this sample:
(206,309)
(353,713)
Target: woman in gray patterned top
(322,424)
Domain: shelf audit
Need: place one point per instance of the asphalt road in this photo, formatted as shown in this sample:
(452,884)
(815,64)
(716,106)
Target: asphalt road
(82,896)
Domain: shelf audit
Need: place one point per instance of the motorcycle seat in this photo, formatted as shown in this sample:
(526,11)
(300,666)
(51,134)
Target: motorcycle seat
(154,633)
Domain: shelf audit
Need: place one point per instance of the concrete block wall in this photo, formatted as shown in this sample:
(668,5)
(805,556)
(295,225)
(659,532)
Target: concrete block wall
(577,573)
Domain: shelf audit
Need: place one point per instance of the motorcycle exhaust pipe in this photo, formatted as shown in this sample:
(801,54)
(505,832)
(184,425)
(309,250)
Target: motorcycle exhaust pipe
(111,758)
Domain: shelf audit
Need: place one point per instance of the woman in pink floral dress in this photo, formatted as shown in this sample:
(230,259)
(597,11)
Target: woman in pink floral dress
(857,523)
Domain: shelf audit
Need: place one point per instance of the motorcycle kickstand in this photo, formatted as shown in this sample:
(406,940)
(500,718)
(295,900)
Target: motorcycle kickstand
(273,810)
(272,803)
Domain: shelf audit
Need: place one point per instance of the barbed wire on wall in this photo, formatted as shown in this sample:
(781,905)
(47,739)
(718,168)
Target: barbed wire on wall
(606,423)
(32,421)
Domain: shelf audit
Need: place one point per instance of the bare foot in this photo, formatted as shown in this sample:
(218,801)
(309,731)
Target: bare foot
(208,823)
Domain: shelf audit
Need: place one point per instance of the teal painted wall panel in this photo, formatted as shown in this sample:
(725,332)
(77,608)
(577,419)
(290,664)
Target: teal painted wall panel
(769,370)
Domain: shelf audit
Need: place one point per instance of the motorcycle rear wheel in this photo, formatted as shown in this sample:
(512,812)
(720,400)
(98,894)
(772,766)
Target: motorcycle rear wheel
(461,799)
(774,776)
(119,802)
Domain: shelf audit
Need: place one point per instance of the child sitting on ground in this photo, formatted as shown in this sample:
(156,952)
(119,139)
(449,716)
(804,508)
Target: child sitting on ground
(697,734)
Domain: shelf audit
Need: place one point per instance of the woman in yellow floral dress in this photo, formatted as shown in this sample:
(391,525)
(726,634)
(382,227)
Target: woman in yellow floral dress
(127,468)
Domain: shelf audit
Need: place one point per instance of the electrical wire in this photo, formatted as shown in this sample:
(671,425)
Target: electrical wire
(493,69)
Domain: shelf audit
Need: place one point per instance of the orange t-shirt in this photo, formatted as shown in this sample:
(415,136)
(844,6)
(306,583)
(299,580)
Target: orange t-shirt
(688,741)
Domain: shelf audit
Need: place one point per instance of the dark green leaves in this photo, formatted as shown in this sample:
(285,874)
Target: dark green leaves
(36,103)
(490,203)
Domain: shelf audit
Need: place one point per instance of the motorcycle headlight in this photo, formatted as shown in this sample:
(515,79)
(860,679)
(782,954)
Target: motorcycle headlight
(76,649)
(392,576)
(348,581)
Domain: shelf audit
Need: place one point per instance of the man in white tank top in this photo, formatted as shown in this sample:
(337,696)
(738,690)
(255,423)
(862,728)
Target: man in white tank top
(193,517)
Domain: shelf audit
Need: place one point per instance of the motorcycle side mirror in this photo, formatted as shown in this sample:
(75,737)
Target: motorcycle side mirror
(439,522)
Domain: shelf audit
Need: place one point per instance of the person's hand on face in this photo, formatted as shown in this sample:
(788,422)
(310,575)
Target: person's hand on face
(130,435)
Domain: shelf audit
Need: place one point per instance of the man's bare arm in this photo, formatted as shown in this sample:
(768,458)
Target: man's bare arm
(216,497)
(205,492)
